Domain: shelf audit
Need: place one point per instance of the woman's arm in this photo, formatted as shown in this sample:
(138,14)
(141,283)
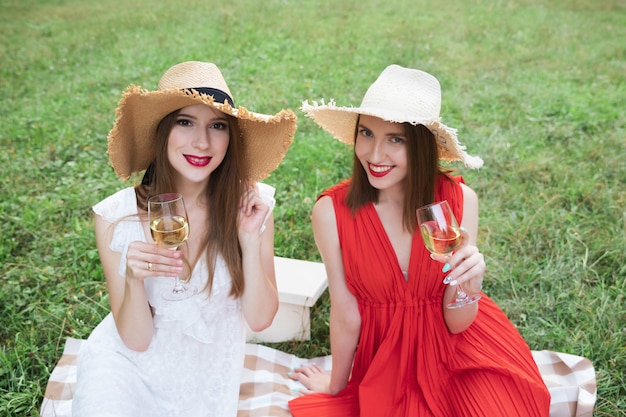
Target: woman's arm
(259,300)
(345,320)
(467,267)
(127,296)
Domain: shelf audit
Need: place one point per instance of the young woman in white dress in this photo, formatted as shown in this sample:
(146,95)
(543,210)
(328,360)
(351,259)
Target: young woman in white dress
(156,357)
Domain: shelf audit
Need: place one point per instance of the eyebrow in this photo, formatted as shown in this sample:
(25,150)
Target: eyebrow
(190,116)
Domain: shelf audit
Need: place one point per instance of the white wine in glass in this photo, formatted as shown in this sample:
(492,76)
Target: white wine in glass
(169,232)
(169,228)
(442,235)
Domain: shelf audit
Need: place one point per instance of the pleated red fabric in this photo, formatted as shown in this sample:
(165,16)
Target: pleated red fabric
(407,363)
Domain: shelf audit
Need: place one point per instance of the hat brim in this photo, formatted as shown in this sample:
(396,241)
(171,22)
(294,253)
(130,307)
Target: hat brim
(341,123)
(131,149)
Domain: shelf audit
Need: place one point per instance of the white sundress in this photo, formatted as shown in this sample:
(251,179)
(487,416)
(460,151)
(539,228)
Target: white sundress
(194,362)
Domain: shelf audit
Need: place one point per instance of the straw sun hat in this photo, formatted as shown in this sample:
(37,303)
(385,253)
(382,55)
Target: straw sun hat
(398,95)
(131,145)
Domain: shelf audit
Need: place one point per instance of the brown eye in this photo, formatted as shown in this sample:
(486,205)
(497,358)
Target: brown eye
(365,132)
(220,126)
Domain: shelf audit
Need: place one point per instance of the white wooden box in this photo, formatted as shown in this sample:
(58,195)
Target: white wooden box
(300,284)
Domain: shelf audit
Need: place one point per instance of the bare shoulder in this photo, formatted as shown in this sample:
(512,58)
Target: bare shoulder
(324,208)
(469,196)
(470,212)
(324,224)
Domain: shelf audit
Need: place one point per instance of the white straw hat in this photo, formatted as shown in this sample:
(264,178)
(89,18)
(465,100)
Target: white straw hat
(400,95)
(265,141)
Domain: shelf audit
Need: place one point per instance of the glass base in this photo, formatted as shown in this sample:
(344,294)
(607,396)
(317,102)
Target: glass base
(462,302)
(180,293)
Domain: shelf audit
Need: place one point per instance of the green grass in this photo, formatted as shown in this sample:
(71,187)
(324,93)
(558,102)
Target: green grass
(536,87)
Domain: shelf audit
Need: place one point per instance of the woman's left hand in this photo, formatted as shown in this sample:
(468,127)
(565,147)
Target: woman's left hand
(466,266)
(252,212)
(314,379)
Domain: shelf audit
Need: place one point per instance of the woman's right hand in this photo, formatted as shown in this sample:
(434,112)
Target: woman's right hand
(145,260)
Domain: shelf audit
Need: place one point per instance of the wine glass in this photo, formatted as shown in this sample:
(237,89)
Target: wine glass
(442,235)
(169,228)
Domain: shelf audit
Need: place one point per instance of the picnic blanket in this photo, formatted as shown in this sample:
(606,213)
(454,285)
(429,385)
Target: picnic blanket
(266,389)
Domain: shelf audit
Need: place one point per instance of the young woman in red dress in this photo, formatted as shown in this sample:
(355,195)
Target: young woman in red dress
(397,350)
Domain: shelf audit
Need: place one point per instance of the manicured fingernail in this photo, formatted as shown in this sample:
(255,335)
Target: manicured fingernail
(463,229)
(447,280)
(296,389)
(289,373)
(446,267)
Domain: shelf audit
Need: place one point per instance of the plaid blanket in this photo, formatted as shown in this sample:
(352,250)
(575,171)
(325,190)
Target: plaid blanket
(265,388)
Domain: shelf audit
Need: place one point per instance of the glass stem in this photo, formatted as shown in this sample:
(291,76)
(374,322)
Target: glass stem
(460,294)
(178,286)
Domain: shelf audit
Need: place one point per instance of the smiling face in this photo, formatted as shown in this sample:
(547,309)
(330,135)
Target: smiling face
(381,149)
(197,143)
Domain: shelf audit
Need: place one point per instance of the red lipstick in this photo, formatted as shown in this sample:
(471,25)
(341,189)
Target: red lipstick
(379,171)
(198,161)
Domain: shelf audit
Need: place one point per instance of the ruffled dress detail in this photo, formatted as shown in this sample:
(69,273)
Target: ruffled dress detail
(407,362)
(194,362)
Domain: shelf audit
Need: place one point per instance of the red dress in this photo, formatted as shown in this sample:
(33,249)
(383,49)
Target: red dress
(407,362)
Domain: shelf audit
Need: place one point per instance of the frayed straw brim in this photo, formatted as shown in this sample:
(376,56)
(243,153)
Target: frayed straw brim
(131,141)
(341,122)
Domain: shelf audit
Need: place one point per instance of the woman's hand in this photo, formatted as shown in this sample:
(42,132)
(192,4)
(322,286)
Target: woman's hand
(145,260)
(252,214)
(314,378)
(466,266)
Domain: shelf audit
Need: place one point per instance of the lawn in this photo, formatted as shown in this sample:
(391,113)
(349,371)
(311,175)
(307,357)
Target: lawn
(535,87)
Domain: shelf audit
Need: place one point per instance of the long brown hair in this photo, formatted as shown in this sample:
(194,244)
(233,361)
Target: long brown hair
(222,195)
(423,170)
